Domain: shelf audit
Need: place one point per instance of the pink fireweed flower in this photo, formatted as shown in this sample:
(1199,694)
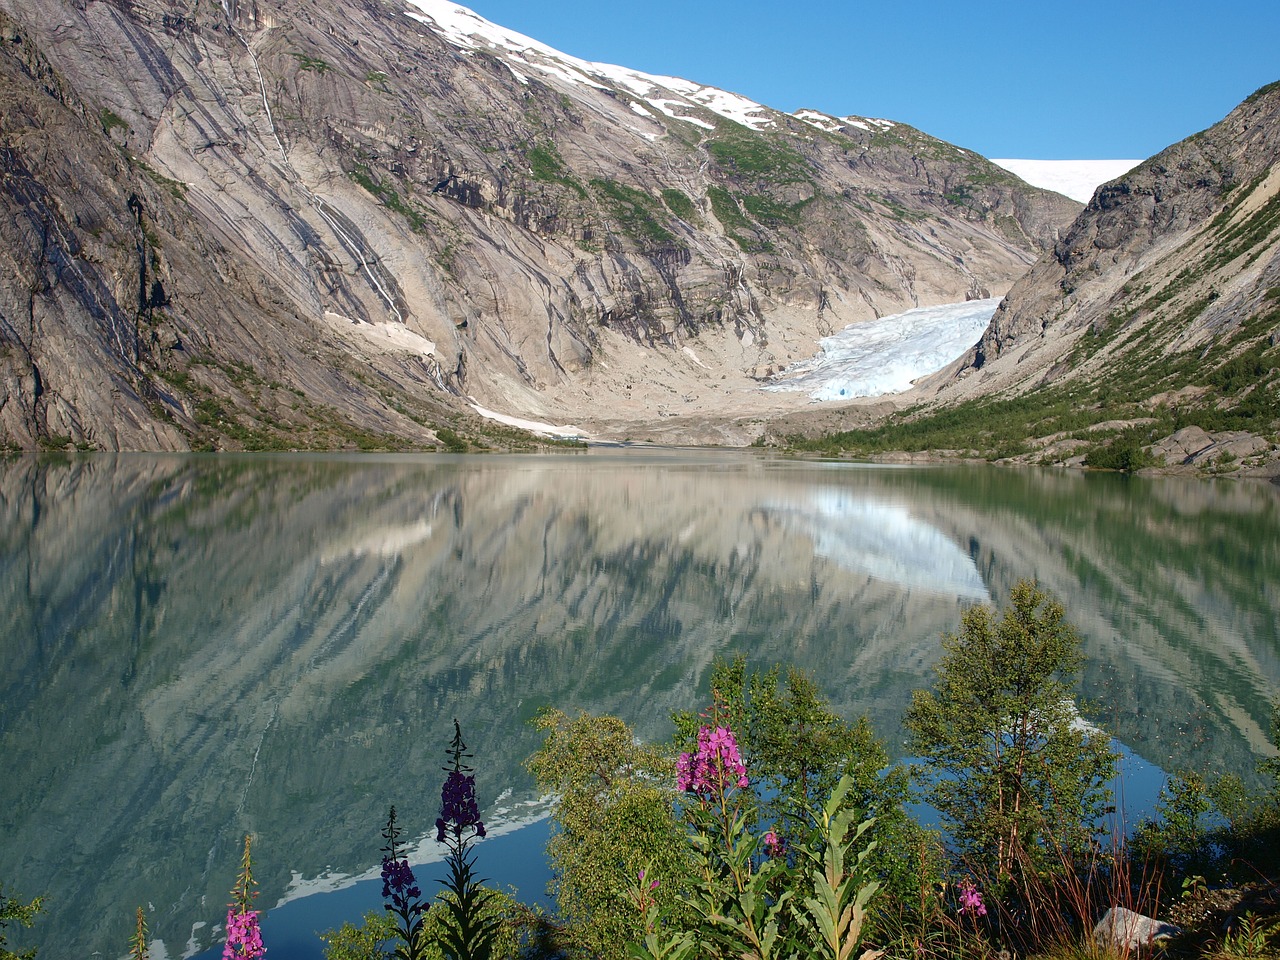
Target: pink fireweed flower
(715,767)
(244,937)
(774,846)
(971,900)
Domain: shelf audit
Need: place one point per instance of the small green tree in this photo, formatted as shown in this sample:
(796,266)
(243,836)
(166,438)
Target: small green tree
(1005,757)
(797,748)
(374,938)
(614,816)
(371,939)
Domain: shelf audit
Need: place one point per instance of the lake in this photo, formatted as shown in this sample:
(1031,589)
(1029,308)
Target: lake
(200,647)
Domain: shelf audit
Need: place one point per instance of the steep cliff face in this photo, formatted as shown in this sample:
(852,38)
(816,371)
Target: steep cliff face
(128,320)
(1167,281)
(300,224)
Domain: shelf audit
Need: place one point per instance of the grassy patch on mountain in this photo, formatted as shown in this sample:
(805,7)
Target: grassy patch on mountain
(678,202)
(1245,236)
(737,227)
(309,63)
(897,210)
(636,212)
(112,121)
(388,196)
(546,166)
(773,213)
(756,156)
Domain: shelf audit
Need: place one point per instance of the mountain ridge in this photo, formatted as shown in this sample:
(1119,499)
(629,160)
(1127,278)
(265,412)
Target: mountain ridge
(336,227)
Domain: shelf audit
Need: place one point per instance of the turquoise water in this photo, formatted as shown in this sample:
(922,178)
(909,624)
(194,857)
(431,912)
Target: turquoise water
(200,647)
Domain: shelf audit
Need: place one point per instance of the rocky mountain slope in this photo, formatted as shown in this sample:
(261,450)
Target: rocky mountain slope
(287,224)
(1159,309)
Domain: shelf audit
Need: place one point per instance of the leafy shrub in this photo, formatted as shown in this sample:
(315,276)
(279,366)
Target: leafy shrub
(1125,453)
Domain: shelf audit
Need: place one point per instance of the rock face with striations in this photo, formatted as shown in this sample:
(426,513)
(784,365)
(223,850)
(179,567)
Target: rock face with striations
(265,224)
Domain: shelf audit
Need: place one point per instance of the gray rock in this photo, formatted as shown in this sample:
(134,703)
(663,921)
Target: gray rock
(1182,446)
(1124,929)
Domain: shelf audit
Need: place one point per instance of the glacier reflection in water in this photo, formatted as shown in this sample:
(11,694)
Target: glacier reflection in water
(197,647)
(884,541)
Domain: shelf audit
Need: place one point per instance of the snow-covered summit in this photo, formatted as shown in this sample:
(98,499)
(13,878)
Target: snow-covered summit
(672,96)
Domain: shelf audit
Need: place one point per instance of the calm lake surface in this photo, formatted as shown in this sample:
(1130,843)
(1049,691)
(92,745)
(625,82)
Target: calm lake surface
(198,647)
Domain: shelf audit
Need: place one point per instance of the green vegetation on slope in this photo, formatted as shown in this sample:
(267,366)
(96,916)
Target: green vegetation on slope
(1239,377)
(636,212)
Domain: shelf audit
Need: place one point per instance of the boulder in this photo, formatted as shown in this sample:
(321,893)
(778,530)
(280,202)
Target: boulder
(1125,929)
(1182,446)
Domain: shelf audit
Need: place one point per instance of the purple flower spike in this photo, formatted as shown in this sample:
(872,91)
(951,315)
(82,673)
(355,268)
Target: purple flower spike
(458,808)
(398,880)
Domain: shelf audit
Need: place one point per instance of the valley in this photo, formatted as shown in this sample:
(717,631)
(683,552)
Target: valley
(280,226)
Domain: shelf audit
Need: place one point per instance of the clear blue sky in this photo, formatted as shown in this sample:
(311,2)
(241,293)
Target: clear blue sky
(1087,79)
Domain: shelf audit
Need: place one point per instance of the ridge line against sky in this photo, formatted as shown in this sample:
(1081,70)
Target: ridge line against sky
(1006,78)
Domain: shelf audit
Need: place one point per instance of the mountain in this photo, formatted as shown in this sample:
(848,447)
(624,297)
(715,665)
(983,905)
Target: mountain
(280,224)
(1149,335)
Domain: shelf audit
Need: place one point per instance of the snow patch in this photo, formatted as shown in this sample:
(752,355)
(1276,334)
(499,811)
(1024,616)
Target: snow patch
(887,355)
(819,120)
(389,337)
(469,31)
(533,426)
(1077,179)
(669,107)
(824,121)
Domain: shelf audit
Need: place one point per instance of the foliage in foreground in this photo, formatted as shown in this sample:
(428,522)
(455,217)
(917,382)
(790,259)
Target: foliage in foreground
(519,931)
(798,750)
(1006,758)
(614,816)
(13,910)
(1214,827)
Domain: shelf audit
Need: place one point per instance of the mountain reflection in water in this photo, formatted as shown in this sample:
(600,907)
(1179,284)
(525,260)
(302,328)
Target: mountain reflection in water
(200,647)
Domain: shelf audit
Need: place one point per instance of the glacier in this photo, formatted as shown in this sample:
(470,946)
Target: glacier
(887,355)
